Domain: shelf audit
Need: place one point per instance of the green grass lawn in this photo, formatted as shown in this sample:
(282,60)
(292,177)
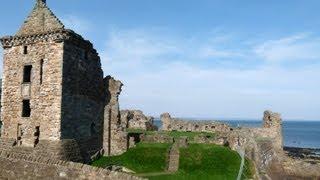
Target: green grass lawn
(144,158)
(203,161)
(198,161)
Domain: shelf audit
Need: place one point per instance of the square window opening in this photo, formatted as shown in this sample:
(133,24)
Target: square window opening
(27,74)
(26,110)
(25,49)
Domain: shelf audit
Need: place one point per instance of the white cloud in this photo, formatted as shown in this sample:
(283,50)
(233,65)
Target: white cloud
(162,74)
(299,47)
(211,52)
(190,91)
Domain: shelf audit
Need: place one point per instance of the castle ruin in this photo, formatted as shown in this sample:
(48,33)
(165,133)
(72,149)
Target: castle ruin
(54,95)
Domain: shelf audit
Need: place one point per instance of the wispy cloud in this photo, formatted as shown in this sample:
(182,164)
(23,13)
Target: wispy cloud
(301,47)
(212,52)
(162,73)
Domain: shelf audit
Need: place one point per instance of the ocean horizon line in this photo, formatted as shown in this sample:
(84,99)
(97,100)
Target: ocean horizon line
(239,119)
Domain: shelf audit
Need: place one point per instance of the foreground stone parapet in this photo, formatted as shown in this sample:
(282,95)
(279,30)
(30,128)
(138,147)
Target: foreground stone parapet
(173,124)
(20,166)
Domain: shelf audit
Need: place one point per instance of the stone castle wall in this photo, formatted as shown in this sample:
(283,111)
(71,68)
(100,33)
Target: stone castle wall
(172,124)
(262,145)
(83,97)
(45,97)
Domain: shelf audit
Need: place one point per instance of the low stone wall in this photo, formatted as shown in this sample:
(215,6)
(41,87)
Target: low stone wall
(219,140)
(20,166)
(156,138)
(174,156)
(173,124)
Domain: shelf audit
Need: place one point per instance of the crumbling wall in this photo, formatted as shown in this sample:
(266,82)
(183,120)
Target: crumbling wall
(135,119)
(262,145)
(115,138)
(82,98)
(173,124)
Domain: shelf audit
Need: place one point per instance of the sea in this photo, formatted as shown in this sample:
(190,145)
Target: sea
(302,134)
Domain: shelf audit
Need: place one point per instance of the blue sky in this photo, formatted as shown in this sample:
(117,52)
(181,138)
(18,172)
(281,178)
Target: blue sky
(200,58)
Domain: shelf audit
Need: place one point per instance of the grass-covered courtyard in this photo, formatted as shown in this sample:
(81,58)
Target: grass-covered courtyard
(198,161)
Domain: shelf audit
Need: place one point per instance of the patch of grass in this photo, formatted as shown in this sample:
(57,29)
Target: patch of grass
(144,158)
(203,161)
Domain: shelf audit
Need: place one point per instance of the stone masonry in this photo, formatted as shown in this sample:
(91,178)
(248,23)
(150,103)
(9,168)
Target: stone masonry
(115,138)
(135,119)
(173,124)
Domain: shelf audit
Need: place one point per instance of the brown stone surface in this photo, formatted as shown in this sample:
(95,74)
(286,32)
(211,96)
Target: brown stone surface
(173,124)
(135,119)
(15,166)
(158,138)
(174,156)
(115,137)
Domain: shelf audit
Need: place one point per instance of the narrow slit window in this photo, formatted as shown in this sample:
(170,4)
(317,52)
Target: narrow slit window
(86,55)
(26,110)
(25,49)
(41,71)
(27,74)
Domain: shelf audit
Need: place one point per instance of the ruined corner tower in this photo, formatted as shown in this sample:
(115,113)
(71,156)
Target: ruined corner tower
(53,87)
(273,122)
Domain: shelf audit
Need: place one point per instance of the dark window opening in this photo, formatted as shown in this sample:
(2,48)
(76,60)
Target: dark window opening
(36,135)
(26,110)
(25,49)
(41,71)
(86,55)
(93,129)
(27,74)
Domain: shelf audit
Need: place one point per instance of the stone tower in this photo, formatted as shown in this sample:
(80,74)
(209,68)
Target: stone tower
(53,86)
(273,122)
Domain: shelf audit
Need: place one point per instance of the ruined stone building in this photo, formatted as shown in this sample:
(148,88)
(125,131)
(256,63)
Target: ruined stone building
(174,124)
(55,98)
(135,119)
